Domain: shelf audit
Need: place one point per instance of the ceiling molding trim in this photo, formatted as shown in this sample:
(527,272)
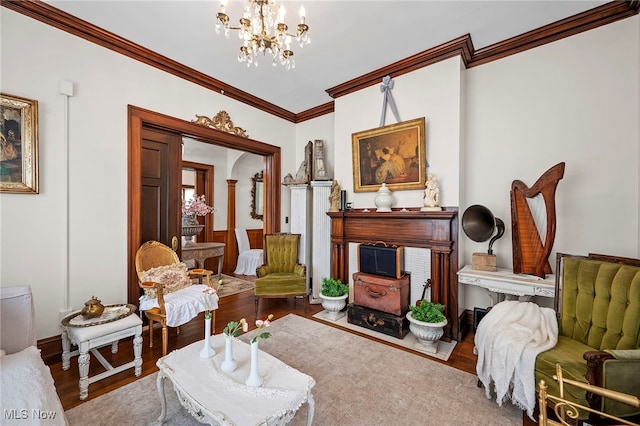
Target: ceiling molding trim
(314,112)
(599,16)
(57,18)
(461,46)
(585,21)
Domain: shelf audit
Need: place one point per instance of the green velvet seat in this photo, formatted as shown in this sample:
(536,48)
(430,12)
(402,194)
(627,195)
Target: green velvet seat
(281,275)
(599,311)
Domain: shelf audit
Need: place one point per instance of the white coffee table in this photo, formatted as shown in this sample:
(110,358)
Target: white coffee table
(214,397)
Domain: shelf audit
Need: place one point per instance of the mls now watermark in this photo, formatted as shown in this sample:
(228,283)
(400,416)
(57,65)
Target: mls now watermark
(24,414)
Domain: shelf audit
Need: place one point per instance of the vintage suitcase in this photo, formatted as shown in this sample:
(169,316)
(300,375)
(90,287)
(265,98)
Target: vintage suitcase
(383,322)
(384,294)
(381,259)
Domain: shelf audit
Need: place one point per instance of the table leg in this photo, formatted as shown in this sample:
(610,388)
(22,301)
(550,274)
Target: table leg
(66,350)
(220,261)
(83,367)
(163,400)
(137,351)
(311,407)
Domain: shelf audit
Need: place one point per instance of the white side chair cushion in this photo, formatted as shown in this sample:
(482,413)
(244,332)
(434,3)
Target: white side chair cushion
(183,305)
(83,334)
(17,325)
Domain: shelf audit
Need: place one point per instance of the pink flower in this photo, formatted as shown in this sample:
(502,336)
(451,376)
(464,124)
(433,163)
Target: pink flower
(260,324)
(197,205)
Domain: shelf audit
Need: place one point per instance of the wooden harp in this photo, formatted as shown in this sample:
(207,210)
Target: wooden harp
(533,216)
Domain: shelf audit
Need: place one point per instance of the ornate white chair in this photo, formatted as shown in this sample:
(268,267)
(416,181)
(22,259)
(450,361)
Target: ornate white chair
(248,259)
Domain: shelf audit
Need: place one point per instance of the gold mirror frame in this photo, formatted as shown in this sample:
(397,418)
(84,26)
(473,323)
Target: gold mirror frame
(257,196)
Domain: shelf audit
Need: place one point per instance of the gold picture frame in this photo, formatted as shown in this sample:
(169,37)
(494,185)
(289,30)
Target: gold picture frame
(393,154)
(19,145)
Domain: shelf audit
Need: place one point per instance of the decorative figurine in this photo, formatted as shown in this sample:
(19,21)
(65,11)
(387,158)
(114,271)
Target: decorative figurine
(334,197)
(431,194)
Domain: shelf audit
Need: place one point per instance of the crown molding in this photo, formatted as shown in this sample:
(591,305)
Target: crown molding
(314,112)
(585,21)
(461,46)
(57,18)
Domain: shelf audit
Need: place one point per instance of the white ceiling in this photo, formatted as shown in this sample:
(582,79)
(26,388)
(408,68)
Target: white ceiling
(349,38)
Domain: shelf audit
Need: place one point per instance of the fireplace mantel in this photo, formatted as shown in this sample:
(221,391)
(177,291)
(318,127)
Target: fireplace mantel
(437,231)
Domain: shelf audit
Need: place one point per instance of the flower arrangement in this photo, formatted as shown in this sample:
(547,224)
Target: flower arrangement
(197,206)
(209,293)
(234,328)
(260,324)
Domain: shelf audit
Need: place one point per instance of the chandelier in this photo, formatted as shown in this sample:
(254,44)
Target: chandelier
(262,30)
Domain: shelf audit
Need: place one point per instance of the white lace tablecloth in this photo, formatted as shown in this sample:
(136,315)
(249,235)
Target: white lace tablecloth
(284,391)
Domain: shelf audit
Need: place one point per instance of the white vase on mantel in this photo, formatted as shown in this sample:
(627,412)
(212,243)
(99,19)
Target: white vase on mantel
(384,199)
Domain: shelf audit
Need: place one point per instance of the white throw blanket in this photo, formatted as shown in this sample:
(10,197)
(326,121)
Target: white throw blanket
(183,305)
(507,341)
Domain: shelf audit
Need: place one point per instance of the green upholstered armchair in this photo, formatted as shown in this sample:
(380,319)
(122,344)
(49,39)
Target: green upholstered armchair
(598,330)
(281,275)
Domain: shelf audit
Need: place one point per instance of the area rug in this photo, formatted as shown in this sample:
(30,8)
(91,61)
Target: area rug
(445,349)
(232,285)
(358,382)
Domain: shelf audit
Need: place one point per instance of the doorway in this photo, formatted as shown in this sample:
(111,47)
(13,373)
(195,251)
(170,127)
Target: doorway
(140,119)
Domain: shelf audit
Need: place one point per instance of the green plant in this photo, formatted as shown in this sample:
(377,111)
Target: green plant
(333,288)
(427,311)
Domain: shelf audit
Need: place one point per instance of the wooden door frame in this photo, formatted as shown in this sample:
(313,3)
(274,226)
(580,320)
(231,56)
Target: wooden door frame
(205,187)
(139,117)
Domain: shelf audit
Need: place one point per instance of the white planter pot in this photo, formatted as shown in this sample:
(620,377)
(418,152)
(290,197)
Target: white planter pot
(334,306)
(427,333)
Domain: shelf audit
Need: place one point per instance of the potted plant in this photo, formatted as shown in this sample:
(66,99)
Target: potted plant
(334,297)
(426,322)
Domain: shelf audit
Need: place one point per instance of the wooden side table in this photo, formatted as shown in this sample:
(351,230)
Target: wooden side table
(92,337)
(203,251)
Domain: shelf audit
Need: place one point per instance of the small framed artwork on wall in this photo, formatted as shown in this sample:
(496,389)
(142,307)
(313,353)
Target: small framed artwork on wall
(18,145)
(393,154)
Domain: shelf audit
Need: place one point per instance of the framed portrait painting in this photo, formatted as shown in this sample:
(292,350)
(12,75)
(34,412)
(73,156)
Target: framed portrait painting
(393,154)
(18,145)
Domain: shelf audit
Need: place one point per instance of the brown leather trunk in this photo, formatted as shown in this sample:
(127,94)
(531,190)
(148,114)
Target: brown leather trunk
(382,322)
(384,294)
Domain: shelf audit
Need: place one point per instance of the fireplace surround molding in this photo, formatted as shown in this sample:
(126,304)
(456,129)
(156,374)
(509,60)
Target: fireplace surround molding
(436,230)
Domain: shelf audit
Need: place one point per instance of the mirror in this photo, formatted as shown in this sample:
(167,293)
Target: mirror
(257,196)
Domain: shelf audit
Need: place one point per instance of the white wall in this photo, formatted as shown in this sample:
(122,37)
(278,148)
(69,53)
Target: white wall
(36,57)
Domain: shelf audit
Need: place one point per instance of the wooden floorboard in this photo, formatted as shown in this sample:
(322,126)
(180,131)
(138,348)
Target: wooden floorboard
(231,308)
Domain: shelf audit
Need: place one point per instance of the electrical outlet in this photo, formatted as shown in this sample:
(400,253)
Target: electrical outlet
(286,219)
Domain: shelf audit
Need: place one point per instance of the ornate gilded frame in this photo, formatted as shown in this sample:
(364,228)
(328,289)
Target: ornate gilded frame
(257,196)
(19,145)
(393,154)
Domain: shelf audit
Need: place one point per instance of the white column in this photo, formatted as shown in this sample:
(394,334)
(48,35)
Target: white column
(321,245)
(301,207)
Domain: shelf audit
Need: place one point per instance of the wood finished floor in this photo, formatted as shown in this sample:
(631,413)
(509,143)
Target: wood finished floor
(231,308)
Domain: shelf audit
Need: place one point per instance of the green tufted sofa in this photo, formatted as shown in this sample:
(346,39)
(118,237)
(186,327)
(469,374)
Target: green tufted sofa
(598,330)
(281,275)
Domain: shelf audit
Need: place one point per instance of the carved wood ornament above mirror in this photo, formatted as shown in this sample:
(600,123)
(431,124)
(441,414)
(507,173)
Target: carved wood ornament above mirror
(221,121)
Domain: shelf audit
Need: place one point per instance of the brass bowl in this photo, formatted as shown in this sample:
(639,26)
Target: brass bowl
(92,308)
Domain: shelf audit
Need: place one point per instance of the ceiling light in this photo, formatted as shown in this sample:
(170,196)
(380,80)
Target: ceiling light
(262,30)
